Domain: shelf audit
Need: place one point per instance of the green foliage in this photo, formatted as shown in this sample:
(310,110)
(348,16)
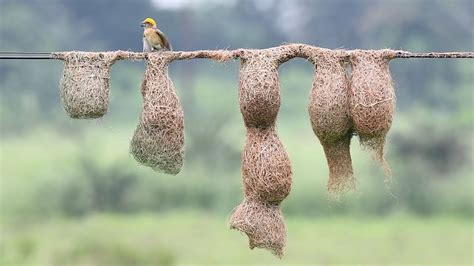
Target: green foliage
(57,174)
(88,177)
(99,241)
(54,166)
(190,238)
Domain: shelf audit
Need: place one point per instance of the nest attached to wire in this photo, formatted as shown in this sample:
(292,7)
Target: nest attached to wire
(372,99)
(266,168)
(158,141)
(84,86)
(260,91)
(330,119)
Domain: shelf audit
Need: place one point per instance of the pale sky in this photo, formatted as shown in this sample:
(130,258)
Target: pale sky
(176,4)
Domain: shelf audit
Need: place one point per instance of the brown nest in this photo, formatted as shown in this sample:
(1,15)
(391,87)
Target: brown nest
(372,99)
(263,224)
(266,169)
(84,86)
(330,118)
(158,141)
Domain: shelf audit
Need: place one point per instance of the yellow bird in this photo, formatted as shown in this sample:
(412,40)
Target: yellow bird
(153,38)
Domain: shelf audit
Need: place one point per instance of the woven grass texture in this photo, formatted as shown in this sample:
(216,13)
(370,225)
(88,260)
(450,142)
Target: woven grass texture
(372,99)
(266,168)
(342,104)
(158,141)
(84,86)
(330,119)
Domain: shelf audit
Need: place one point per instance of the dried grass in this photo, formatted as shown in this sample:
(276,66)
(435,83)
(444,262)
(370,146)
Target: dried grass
(158,141)
(263,224)
(330,118)
(266,169)
(339,107)
(372,99)
(84,86)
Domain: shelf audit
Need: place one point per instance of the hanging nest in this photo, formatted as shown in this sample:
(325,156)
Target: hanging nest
(330,118)
(158,141)
(266,169)
(263,224)
(260,91)
(84,86)
(372,99)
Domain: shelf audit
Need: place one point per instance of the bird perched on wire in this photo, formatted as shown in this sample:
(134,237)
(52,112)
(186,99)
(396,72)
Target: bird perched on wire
(153,38)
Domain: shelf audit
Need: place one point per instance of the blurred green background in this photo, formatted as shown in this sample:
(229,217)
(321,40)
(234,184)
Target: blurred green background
(71,194)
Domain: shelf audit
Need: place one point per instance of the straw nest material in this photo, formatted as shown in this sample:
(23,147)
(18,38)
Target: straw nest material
(266,169)
(330,118)
(372,99)
(263,224)
(260,91)
(84,87)
(158,141)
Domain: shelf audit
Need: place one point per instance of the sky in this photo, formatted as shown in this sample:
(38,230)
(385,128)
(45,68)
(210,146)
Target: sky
(177,4)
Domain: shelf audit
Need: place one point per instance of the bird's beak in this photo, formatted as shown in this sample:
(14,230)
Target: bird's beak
(143,25)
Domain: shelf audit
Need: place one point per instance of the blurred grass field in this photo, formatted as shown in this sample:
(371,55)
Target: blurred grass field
(200,238)
(71,194)
(60,181)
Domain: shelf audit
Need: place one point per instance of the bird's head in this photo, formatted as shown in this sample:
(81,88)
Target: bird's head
(148,23)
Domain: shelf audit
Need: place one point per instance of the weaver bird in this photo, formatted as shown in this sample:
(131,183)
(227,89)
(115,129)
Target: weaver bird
(153,38)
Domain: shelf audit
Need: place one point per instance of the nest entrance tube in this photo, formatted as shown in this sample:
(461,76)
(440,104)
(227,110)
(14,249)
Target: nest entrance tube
(266,168)
(84,86)
(330,118)
(372,99)
(158,141)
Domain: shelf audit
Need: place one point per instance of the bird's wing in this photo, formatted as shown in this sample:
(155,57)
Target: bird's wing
(166,43)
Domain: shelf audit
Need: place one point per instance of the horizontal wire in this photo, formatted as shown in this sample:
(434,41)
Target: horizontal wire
(404,54)
(211,54)
(25,55)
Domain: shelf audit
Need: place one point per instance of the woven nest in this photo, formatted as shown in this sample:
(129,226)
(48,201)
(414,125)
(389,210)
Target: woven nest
(262,223)
(330,118)
(372,99)
(266,169)
(259,91)
(84,86)
(158,141)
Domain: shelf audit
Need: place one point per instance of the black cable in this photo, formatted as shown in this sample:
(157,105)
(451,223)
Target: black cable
(24,55)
